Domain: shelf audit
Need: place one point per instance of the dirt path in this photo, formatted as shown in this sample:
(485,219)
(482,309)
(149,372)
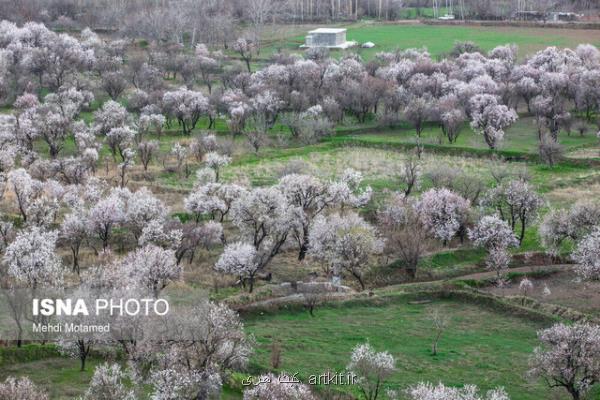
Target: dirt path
(532,269)
(298,298)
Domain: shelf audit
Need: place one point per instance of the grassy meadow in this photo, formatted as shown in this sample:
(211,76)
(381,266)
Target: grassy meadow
(439,39)
(480,346)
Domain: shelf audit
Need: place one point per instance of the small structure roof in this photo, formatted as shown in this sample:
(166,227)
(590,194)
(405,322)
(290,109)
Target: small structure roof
(328,30)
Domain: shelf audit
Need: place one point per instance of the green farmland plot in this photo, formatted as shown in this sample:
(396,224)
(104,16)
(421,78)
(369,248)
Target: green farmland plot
(439,39)
(479,347)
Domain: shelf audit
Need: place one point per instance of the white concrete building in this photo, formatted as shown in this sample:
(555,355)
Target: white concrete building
(333,38)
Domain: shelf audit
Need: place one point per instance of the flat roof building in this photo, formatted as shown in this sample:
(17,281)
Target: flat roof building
(333,38)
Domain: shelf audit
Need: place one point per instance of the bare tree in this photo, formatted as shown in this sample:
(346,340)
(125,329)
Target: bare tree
(439,322)
(406,235)
(259,11)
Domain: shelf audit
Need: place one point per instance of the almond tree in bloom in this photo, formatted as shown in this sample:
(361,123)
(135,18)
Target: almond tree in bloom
(77,344)
(264,219)
(53,120)
(278,387)
(213,199)
(550,106)
(9,140)
(490,118)
(313,125)
(108,383)
(348,191)
(151,121)
(246,48)
(119,140)
(87,145)
(238,110)
(418,110)
(141,208)
(208,64)
(410,175)
(32,260)
(569,357)
(516,202)
(238,259)
(104,216)
(263,112)
(496,237)
(128,163)
(527,88)
(20,389)
(113,83)
(452,117)
(428,391)
(311,196)
(194,237)
(204,342)
(569,225)
(345,244)
(74,231)
(186,106)
(65,58)
(174,384)
(444,213)
(180,153)
(203,144)
(147,150)
(525,286)
(216,161)
(26,190)
(587,255)
(160,233)
(371,369)
(151,267)
(111,115)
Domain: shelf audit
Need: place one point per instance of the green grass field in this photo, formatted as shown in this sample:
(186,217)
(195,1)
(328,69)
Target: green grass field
(60,376)
(479,347)
(439,39)
(520,137)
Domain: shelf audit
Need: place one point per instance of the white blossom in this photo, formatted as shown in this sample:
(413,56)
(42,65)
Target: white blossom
(20,389)
(185,105)
(371,368)
(427,391)
(344,243)
(278,387)
(568,357)
(587,255)
(151,267)
(216,161)
(107,383)
(443,212)
(31,259)
(490,118)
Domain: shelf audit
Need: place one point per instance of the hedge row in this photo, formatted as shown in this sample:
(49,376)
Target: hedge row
(27,353)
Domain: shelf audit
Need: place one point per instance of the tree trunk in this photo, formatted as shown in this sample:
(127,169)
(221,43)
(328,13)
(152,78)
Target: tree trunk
(75,250)
(250,283)
(522,235)
(411,271)
(83,358)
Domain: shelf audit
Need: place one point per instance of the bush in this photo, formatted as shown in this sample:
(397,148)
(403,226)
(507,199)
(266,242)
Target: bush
(27,353)
(464,47)
(551,152)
